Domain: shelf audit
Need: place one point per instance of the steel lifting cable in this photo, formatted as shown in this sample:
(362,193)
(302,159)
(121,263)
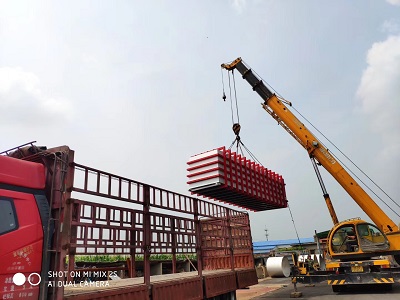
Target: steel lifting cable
(236,102)
(238,141)
(348,169)
(294,225)
(252,155)
(230,97)
(236,130)
(235,126)
(239,146)
(230,94)
(223,85)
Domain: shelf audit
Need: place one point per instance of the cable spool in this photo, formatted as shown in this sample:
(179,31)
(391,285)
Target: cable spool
(278,267)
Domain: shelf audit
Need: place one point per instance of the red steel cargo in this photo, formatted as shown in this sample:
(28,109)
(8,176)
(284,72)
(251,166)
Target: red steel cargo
(224,175)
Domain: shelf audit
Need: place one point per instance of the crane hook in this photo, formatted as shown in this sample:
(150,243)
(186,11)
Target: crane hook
(236,128)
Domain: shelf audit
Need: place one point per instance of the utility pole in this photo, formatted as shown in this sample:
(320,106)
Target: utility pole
(266,233)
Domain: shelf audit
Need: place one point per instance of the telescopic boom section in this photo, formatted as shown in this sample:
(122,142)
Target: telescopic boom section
(280,112)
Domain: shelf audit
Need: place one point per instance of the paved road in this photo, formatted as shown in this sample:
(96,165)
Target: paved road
(324,291)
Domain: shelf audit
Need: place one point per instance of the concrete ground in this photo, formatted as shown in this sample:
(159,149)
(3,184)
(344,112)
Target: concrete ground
(264,286)
(281,288)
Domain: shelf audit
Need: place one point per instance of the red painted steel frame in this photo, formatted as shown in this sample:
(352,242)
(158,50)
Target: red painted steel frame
(235,180)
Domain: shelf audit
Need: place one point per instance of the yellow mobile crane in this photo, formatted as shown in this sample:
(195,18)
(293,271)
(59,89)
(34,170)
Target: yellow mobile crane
(353,245)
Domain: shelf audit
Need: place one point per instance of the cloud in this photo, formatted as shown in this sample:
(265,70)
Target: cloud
(22,97)
(394,2)
(239,5)
(89,59)
(379,93)
(390,26)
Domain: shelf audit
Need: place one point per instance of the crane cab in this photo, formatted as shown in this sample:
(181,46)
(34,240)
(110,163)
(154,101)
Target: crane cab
(357,237)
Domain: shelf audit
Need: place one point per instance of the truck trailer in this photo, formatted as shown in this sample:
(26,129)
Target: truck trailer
(53,209)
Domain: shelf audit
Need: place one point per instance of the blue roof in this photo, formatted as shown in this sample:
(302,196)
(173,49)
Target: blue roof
(267,246)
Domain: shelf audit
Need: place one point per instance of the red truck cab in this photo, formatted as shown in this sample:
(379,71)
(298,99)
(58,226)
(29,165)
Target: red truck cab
(23,208)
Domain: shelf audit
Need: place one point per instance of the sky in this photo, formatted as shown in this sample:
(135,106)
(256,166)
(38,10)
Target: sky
(134,87)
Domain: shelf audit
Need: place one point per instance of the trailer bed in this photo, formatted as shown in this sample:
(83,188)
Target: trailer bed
(185,285)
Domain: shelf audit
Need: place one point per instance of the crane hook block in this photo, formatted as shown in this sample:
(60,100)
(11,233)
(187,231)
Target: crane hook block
(236,128)
(224,96)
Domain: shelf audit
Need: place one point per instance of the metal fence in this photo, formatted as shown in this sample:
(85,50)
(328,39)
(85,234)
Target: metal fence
(149,220)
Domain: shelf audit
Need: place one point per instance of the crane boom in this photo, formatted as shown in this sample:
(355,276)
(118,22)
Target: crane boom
(279,111)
